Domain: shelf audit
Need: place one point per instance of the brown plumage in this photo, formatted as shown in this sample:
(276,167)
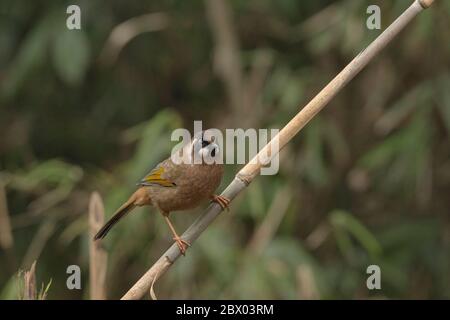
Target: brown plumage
(173,187)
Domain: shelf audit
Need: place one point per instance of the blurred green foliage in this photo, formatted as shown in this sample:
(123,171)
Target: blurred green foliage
(366,182)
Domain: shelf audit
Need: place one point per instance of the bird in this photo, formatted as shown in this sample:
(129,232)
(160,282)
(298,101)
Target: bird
(178,185)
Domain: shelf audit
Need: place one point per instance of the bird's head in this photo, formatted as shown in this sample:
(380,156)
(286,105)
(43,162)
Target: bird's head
(204,147)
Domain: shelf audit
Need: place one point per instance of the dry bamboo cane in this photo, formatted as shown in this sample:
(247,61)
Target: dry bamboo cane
(97,254)
(249,172)
(29,290)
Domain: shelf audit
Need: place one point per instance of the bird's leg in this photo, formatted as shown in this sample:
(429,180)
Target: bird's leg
(182,244)
(222,201)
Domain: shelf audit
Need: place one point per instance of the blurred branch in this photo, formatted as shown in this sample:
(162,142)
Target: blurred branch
(321,20)
(126,31)
(97,255)
(306,284)
(264,233)
(272,221)
(245,176)
(243,91)
(38,242)
(227,62)
(29,290)
(39,209)
(253,87)
(317,236)
(6,238)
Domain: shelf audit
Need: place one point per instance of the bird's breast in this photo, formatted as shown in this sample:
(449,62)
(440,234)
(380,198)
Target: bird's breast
(195,184)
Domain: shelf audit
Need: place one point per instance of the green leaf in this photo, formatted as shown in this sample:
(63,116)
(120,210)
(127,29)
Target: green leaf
(316,170)
(344,221)
(257,201)
(154,145)
(51,172)
(442,98)
(71,53)
(44,291)
(11,290)
(30,55)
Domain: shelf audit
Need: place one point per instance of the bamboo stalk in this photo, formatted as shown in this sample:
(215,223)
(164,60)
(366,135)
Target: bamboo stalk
(97,255)
(126,31)
(6,238)
(245,176)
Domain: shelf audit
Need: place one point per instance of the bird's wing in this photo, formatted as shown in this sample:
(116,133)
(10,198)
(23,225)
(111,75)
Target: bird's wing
(163,175)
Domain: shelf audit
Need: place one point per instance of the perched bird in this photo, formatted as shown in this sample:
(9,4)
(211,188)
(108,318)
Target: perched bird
(173,186)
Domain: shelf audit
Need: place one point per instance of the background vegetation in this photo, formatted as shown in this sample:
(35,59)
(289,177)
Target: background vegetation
(367,181)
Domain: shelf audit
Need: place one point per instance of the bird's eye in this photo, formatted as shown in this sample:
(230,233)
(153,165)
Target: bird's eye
(205,143)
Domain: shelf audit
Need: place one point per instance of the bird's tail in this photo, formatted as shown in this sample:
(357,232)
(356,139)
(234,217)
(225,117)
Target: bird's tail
(119,214)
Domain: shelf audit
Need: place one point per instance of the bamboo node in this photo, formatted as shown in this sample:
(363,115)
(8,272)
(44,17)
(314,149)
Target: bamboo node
(245,178)
(426,3)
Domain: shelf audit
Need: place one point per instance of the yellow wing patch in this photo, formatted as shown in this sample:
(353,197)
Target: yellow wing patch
(155,178)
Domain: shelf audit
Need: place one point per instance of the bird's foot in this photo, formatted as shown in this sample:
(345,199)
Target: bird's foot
(222,201)
(182,244)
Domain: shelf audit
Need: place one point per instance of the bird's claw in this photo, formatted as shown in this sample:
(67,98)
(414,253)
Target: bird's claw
(222,201)
(182,245)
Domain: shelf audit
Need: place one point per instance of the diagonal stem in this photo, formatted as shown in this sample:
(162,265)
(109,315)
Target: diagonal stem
(251,170)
